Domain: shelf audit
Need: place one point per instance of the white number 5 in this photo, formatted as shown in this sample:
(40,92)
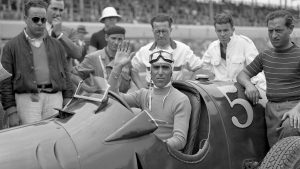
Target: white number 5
(242,102)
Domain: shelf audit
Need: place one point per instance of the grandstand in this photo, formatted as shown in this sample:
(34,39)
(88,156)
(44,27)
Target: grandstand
(195,12)
(193,18)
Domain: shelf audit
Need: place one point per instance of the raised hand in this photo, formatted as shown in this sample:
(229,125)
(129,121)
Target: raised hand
(57,25)
(123,55)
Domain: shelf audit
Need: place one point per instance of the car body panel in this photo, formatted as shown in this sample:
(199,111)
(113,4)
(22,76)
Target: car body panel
(79,136)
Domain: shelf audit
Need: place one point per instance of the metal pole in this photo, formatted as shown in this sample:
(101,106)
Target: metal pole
(156,6)
(211,11)
(81,9)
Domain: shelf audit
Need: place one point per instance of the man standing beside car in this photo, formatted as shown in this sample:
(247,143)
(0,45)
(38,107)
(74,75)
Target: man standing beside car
(228,55)
(68,37)
(40,79)
(101,61)
(163,101)
(281,65)
(183,56)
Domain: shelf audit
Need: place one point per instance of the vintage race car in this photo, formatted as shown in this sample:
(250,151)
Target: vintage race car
(99,130)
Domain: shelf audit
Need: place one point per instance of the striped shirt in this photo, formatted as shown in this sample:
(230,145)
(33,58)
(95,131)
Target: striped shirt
(282,71)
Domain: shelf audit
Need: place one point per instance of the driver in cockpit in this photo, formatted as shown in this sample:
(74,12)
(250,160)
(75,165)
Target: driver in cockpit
(162,100)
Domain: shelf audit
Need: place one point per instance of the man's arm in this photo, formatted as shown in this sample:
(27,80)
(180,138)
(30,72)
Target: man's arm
(181,124)
(194,62)
(7,93)
(68,37)
(122,58)
(250,90)
(137,79)
(68,91)
(73,49)
(251,52)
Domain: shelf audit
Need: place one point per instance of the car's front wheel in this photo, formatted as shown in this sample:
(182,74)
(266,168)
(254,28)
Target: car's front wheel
(285,154)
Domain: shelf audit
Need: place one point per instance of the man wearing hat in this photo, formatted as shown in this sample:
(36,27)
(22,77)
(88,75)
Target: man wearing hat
(162,101)
(109,17)
(100,62)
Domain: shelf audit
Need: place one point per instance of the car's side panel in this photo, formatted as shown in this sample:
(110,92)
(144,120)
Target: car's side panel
(246,135)
(42,145)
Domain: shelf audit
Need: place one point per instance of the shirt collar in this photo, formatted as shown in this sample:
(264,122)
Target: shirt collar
(172,44)
(34,41)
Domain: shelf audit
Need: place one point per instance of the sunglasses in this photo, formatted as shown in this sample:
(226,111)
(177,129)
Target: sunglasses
(166,56)
(38,19)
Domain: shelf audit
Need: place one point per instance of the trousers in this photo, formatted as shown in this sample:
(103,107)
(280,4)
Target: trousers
(276,128)
(32,107)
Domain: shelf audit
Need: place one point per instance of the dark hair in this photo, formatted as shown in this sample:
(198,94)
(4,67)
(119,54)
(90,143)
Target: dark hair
(34,3)
(115,30)
(223,18)
(289,19)
(162,18)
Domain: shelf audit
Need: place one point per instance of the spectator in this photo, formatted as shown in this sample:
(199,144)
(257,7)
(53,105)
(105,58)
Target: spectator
(281,66)
(182,54)
(68,37)
(82,41)
(109,17)
(163,101)
(228,55)
(40,80)
(101,61)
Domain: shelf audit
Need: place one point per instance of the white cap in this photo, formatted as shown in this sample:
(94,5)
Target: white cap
(109,12)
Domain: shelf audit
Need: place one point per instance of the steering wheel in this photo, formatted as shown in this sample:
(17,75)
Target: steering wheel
(116,97)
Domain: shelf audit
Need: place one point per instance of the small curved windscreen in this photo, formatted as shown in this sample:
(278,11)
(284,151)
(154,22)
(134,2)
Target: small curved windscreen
(94,88)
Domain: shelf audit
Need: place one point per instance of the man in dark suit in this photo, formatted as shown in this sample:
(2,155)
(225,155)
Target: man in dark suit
(68,37)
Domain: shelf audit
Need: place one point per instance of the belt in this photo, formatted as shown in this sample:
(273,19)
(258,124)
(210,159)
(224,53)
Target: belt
(284,101)
(176,68)
(44,86)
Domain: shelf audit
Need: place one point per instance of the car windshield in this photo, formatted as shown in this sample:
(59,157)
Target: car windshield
(94,88)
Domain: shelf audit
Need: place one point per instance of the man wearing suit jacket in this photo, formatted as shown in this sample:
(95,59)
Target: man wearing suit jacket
(68,37)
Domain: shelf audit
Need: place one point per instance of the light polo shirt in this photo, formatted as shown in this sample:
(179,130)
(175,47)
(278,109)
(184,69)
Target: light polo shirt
(240,52)
(183,57)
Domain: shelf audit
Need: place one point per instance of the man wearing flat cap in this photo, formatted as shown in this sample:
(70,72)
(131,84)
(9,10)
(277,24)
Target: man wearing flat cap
(109,18)
(100,62)
(162,101)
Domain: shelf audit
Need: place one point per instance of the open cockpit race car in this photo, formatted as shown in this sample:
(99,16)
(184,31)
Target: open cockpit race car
(100,130)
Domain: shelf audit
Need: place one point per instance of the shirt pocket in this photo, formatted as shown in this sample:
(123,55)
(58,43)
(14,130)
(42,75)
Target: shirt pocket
(237,64)
(215,61)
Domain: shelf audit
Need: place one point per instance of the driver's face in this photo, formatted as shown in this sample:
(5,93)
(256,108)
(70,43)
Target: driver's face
(161,74)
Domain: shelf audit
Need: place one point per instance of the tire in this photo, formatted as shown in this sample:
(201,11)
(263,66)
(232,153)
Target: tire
(283,155)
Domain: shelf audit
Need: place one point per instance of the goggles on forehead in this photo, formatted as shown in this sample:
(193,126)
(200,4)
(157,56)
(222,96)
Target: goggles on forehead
(166,56)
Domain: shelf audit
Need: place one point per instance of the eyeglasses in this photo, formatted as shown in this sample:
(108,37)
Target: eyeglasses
(166,56)
(38,19)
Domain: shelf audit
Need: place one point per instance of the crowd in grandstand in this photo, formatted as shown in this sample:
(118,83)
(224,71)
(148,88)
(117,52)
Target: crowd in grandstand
(140,11)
